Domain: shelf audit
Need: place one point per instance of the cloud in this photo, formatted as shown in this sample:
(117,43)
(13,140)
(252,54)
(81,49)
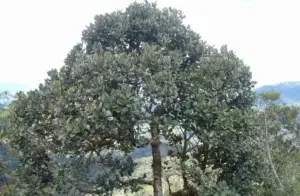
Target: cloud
(36,35)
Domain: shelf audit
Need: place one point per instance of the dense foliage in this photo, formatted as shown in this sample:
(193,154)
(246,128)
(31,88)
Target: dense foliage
(140,78)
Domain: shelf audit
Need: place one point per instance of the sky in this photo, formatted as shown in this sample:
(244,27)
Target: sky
(36,35)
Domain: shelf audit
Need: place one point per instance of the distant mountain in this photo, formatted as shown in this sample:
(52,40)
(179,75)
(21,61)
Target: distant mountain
(290,91)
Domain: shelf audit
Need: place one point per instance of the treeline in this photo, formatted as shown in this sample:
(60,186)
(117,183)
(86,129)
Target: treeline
(140,77)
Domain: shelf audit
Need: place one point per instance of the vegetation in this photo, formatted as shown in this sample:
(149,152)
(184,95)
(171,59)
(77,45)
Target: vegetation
(7,161)
(280,135)
(141,78)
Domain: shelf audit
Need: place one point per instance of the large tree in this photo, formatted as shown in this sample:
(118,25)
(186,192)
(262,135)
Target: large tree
(138,76)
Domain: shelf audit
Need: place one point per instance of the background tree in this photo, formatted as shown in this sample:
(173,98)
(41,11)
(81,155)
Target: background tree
(279,124)
(6,160)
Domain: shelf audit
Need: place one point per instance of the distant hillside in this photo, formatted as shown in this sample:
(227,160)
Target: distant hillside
(290,91)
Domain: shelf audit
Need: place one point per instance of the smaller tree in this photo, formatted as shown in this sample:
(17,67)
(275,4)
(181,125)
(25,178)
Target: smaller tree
(5,158)
(280,127)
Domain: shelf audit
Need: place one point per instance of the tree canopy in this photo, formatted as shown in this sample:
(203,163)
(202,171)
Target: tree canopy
(140,77)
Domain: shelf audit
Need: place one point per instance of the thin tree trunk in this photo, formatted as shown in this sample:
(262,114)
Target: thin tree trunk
(156,163)
(205,156)
(185,180)
(169,185)
(269,153)
(183,160)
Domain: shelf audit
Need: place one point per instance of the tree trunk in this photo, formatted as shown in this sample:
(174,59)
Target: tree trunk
(183,160)
(269,153)
(169,185)
(185,180)
(156,163)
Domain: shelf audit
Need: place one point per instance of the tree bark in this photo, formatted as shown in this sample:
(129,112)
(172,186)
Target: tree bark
(156,162)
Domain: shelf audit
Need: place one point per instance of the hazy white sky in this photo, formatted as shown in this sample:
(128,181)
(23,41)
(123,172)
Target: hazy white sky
(36,35)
